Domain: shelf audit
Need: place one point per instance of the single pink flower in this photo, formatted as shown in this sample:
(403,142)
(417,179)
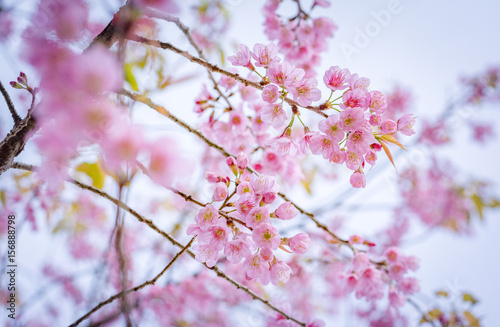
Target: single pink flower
(356,98)
(241,57)
(266,236)
(336,78)
(284,74)
(263,183)
(324,145)
(280,272)
(270,93)
(258,216)
(360,141)
(265,55)
(286,211)
(353,160)
(352,119)
(358,179)
(274,114)
(331,127)
(299,243)
(355,239)
(220,192)
(378,102)
(238,249)
(206,217)
(306,91)
(405,124)
(389,127)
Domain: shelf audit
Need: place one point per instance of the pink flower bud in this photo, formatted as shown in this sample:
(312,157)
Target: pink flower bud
(405,124)
(375,120)
(16,85)
(358,179)
(300,243)
(286,211)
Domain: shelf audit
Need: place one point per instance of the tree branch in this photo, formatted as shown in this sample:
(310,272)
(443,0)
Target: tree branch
(134,289)
(214,68)
(150,223)
(10,105)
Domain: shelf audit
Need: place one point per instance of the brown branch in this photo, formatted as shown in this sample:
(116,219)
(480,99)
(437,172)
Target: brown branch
(134,289)
(150,223)
(185,30)
(214,68)
(10,105)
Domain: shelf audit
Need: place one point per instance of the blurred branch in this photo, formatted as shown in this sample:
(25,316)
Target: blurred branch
(134,289)
(10,105)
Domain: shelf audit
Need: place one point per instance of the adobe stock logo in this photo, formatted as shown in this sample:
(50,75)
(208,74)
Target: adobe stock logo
(372,29)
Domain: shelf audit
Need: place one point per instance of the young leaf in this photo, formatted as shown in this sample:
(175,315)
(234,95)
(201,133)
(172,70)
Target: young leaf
(94,171)
(392,139)
(387,152)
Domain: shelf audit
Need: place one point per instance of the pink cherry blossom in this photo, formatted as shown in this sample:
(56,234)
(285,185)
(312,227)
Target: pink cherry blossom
(266,236)
(238,248)
(263,183)
(270,93)
(405,124)
(353,160)
(265,55)
(242,57)
(336,78)
(306,91)
(245,204)
(359,141)
(299,243)
(355,239)
(356,98)
(358,179)
(378,102)
(280,272)
(206,253)
(283,145)
(352,119)
(274,114)
(284,74)
(216,236)
(254,266)
(257,216)
(331,127)
(356,82)
(389,127)
(286,211)
(206,217)
(371,157)
(324,145)
(220,192)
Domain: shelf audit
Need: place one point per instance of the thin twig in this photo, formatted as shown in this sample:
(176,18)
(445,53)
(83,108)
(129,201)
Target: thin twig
(215,68)
(419,309)
(134,289)
(150,223)
(160,15)
(12,109)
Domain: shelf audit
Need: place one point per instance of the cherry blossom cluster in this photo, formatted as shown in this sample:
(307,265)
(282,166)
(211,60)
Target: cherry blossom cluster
(300,38)
(219,230)
(212,22)
(76,110)
(351,137)
(433,196)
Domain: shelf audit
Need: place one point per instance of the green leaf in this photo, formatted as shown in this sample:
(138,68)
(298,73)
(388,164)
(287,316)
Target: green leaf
(129,76)
(95,172)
